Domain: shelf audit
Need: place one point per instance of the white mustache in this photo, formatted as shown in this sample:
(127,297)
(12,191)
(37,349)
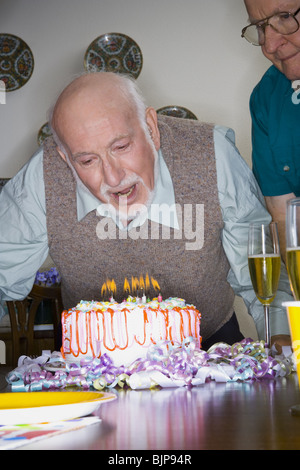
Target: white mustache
(128,212)
(106,190)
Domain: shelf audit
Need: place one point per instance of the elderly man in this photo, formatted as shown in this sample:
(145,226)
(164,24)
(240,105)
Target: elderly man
(121,193)
(274,104)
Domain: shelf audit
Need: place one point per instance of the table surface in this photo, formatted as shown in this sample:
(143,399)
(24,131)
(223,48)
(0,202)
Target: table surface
(212,416)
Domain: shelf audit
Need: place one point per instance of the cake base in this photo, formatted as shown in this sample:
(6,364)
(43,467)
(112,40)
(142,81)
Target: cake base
(126,331)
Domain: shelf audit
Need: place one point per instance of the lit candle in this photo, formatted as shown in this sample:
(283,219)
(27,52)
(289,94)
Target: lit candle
(144,299)
(127,296)
(126,288)
(159,298)
(103,291)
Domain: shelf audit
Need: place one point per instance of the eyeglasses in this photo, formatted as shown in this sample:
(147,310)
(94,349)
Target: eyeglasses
(283,23)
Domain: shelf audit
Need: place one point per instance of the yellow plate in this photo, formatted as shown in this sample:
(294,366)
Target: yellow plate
(40,407)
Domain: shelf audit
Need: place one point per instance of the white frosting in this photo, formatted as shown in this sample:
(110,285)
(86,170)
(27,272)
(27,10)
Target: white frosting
(125,331)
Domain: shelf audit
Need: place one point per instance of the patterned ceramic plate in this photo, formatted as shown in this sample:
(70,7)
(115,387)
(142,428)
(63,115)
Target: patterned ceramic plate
(16,62)
(43,133)
(114,52)
(177,111)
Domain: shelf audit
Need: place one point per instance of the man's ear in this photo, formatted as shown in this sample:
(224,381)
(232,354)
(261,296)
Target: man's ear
(151,119)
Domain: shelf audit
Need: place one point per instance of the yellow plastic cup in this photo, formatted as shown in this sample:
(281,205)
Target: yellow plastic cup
(293,311)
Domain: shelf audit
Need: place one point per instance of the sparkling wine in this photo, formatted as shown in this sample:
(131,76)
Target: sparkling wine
(293,267)
(265,272)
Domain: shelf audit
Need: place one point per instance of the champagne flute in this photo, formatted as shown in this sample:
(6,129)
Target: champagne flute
(264,265)
(293,245)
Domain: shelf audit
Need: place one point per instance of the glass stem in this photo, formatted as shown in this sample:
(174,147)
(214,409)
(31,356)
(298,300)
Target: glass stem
(267,325)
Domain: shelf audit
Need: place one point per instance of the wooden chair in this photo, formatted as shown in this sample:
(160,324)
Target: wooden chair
(22,316)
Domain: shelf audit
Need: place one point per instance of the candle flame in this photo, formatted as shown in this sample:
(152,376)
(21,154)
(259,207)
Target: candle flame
(112,286)
(147,282)
(103,289)
(109,286)
(134,284)
(126,287)
(155,284)
(142,283)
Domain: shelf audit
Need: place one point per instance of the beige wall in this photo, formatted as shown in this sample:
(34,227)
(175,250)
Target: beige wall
(192,50)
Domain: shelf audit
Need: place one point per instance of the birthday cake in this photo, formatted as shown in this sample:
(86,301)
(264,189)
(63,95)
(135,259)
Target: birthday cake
(125,331)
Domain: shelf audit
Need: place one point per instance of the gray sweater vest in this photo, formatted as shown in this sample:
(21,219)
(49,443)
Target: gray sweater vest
(188,263)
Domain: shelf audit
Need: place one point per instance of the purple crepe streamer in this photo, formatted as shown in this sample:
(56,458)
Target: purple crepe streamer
(251,361)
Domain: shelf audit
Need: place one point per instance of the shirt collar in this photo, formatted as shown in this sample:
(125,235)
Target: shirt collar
(164,197)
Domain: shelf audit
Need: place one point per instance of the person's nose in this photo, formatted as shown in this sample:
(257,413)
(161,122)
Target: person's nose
(113,173)
(273,40)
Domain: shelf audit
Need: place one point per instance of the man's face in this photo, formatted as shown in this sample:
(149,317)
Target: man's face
(111,152)
(282,50)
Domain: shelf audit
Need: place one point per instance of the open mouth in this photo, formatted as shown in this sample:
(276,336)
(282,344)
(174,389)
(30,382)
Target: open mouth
(126,194)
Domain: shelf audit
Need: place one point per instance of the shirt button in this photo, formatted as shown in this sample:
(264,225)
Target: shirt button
(286,168)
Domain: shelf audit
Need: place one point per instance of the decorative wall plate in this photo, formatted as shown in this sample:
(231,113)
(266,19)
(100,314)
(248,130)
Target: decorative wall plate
(16,62)
(177,111)
(43,133)
(114,52)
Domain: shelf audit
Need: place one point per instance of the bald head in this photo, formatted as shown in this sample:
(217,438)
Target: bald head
(93,93)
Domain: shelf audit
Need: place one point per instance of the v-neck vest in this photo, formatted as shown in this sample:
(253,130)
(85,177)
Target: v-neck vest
(86,259)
